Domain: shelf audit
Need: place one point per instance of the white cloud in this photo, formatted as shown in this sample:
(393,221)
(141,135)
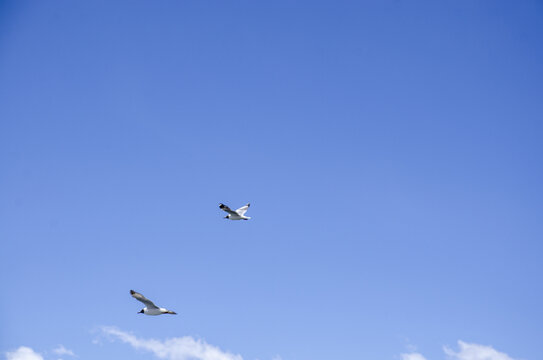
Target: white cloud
(61,350)
(181,348)
(23,353)
(466,352)
(412,356)
(475,352)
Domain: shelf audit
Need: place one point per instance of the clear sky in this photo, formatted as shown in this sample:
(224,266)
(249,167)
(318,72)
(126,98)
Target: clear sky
(391,151)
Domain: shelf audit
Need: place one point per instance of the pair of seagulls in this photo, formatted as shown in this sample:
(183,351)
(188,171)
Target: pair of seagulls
(150,308)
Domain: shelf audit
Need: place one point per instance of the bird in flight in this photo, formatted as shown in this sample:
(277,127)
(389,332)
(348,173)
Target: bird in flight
(150,308)
(238,214)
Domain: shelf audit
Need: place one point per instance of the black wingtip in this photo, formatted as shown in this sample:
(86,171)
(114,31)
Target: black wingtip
(132,292)
(221,205)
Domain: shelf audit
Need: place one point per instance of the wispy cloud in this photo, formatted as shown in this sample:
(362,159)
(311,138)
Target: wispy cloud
(23,353)
(475,352)
(466,352)
(412,356)
(61,350)
(181,348)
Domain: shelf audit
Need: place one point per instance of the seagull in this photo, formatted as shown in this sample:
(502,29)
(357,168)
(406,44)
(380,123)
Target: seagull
(150,308)
(239,214)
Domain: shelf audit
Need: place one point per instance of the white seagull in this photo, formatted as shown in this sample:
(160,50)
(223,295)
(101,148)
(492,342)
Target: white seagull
(239,214)
(150,308)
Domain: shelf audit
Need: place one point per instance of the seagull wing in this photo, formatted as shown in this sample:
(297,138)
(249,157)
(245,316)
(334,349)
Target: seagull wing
(242,210)
(148,303)
(227,209)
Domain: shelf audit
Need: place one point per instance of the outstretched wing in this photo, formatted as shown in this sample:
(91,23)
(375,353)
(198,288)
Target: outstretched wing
(227,209)
(242,210)
(148,303)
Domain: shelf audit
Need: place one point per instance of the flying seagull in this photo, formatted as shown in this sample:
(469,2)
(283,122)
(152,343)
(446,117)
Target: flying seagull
(150,308)
(239,214)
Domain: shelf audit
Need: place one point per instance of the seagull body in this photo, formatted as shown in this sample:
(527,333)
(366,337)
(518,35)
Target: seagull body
(238,214)
(150,308)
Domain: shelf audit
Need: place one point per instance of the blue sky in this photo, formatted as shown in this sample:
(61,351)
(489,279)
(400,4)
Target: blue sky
(391,151)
